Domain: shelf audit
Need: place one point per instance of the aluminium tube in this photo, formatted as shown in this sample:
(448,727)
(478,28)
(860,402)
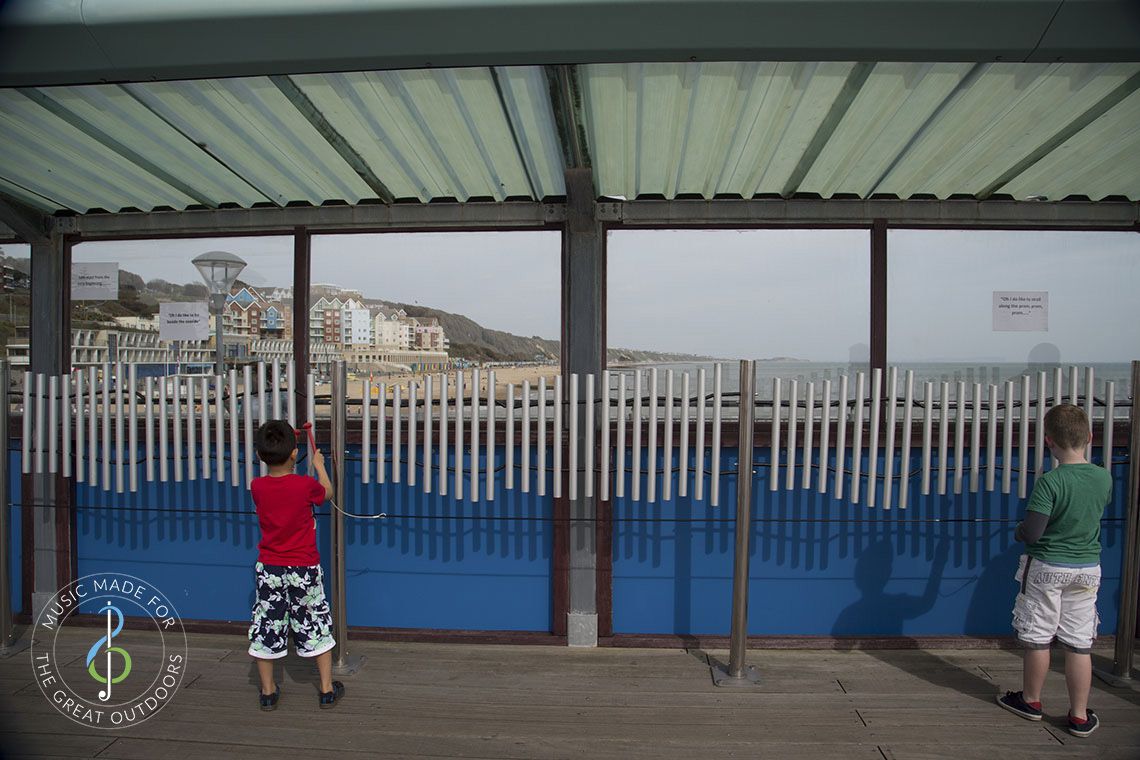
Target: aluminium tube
(739,631)
(338,423)
(907,436)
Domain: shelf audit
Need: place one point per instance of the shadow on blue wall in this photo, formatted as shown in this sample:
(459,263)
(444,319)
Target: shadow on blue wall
(887,611)
(943,566)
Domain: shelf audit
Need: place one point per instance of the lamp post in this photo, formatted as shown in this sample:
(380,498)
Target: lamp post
(219,269)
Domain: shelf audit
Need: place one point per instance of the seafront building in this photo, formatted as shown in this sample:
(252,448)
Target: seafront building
(258,325)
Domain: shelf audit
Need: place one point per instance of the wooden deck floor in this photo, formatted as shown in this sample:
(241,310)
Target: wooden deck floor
(430,700)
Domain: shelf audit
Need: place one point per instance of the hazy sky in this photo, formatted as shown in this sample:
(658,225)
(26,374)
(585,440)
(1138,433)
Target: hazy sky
(730,293)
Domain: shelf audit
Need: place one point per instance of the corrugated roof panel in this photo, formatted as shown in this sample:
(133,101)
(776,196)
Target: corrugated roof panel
(783,115)
(112,113)
(1000,118)
(526,97)
(643,118)
(651,129)
(354,107)
(425,134)
(1102,159)
(27,197)
(716,88)
(251,127)
(886,114)
(46,155)
(461,119)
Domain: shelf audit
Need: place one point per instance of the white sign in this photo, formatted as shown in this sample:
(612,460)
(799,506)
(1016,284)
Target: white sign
(1021,311)
(184,321)
(95,281)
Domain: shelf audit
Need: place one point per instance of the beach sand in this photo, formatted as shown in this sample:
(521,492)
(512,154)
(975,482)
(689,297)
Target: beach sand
(504,376)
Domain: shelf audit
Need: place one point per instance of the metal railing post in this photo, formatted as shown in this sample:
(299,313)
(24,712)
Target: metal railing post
(342,663)
(737,673)
(1126,625)
(5,545)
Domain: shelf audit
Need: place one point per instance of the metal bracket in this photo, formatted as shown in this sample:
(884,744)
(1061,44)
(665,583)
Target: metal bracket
(1119,682)
(609,211)
(349,666)
(554,213)
(721,677)
(14,647)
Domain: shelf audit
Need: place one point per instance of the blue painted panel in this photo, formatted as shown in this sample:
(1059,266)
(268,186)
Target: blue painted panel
(15,526)
(436,563)
(441,563)
(820,566)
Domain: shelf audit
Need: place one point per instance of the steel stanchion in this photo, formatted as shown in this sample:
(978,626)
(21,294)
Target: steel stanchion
(1121,674)
(738,673)
(343,664)
(9,645)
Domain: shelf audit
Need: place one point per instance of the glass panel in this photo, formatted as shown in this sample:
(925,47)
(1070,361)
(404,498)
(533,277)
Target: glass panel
(14,331)
(954,296)
(797,301)
(256,319)
(397,305)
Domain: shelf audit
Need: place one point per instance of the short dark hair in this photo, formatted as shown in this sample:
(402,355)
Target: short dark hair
(275,441)
(1067,426)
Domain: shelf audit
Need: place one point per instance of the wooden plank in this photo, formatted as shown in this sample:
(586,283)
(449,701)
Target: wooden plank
(476,701)
(25,743)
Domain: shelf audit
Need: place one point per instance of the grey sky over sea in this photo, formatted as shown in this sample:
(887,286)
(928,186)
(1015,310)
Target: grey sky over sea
(801,294)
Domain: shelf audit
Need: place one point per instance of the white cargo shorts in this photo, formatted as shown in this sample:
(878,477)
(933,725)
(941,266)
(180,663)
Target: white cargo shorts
(1056,603)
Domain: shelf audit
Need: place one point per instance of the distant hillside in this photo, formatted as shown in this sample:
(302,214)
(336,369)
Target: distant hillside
(470,340)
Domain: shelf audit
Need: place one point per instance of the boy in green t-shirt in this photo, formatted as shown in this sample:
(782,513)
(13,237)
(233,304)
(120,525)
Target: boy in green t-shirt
(1060,570)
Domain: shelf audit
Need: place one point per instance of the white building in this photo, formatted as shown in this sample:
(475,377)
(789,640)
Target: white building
(355,324)
(391,329)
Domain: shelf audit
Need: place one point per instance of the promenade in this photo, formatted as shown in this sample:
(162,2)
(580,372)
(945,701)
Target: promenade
(469,701)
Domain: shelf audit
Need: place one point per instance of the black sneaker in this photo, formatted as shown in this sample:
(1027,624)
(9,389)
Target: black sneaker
(269,701)
(1086,728)
(329,698)
(1014,701)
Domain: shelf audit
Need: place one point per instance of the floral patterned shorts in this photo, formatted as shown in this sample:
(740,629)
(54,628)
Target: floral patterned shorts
(290,599)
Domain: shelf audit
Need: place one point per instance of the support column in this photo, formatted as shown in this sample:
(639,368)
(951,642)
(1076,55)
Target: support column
(879,294)
(583,352)
(302,256)
(52,524)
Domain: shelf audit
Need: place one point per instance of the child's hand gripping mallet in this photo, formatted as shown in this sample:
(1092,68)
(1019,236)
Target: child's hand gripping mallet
(308,428)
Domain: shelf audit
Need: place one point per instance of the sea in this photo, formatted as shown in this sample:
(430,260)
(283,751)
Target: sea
(1118,373)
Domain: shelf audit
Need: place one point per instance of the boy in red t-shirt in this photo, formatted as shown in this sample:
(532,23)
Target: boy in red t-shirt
(290,591)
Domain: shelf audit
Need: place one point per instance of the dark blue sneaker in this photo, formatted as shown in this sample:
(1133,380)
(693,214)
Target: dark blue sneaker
(329,698)
(269,701)
(1014,701)
(1086,728)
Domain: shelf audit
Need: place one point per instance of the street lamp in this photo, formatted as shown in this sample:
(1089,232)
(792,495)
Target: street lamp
(219,269)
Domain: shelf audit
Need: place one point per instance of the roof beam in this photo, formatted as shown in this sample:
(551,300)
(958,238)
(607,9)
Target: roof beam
(116,146)
(796,212)
(124,40)
(301,102)
(847,94)
(1107,103)
(566,102)
(530,179)
(29,225)
(899,213)
(333,218)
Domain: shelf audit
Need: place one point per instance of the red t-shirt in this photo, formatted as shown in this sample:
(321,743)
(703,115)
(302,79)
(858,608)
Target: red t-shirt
(285,512)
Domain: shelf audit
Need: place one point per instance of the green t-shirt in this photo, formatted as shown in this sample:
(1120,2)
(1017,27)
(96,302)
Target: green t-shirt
(1074,497)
